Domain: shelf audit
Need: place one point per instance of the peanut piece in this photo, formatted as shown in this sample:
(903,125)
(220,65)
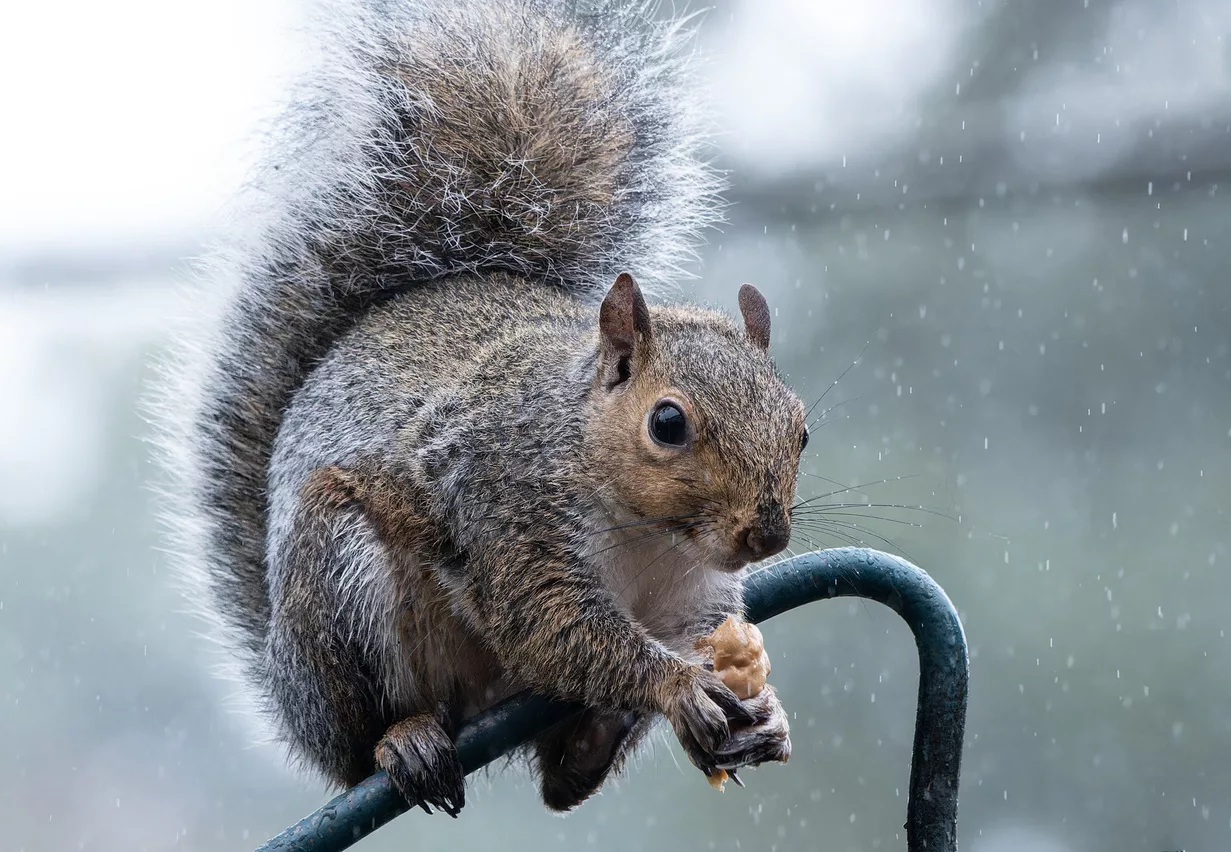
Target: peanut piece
(738,652)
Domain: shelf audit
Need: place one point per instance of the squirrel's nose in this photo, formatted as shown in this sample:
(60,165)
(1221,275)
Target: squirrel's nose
(764,540)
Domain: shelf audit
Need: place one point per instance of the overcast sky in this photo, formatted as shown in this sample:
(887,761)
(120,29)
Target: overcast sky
(127,118)
(130,120)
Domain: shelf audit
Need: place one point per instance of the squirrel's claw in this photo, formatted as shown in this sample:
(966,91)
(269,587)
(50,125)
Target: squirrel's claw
(422,763)
(754,747)
(768,740)
(734,709)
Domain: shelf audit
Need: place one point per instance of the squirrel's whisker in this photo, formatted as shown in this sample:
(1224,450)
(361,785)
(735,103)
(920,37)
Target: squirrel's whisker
(834,383)
(826,508)
(822,515)
(820,418)
(861,530)
(858,487)
(646,522)
(668,530)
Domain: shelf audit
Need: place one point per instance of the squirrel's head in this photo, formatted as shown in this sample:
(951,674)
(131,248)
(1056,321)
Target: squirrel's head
(695,432)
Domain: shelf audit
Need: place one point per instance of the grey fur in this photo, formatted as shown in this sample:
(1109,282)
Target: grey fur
(401,484)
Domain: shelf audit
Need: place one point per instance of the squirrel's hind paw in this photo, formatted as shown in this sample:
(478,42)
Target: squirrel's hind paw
(422,763)
(575,759)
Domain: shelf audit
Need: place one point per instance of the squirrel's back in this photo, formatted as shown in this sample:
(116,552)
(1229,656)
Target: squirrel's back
(435,137)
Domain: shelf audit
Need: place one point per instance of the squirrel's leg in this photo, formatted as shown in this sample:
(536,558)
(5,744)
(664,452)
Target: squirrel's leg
(331,585)
(575,757)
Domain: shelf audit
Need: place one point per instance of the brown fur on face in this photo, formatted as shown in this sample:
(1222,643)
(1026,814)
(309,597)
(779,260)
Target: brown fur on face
(731,485)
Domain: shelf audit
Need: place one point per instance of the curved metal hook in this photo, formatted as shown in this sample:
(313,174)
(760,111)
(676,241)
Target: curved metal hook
(940,718)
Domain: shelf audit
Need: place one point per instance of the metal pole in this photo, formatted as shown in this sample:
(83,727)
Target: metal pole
(940,719)
(940,716)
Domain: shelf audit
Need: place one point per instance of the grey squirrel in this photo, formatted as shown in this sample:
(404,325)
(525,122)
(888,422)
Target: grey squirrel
(439,448)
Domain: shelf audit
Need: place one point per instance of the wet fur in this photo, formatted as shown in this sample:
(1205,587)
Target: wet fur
(394,471)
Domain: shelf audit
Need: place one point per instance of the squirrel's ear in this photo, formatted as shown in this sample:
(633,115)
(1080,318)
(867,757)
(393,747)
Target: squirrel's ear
(623,322)
(756,316)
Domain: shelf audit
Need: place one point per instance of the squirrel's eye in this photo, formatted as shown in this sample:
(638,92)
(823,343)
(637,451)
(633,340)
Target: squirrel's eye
(667,425)
(803,442)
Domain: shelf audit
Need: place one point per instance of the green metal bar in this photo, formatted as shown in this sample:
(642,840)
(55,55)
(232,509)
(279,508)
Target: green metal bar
(940,719)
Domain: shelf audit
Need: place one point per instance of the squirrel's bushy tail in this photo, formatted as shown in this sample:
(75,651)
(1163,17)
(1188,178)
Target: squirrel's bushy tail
(435,137)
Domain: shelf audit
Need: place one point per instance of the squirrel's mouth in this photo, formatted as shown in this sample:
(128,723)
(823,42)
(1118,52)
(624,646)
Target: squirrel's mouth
(749,547)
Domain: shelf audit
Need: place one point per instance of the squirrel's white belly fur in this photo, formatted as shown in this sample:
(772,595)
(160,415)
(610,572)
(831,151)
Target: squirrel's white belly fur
(663,582)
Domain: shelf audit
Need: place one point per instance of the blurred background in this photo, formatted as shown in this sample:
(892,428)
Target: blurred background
(1019,211)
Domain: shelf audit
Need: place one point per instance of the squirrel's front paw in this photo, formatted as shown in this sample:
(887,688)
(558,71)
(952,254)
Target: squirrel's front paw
(767,740)
(422,763)
(702,710)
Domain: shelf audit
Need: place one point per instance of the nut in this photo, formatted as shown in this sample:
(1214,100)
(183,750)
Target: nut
(738,652)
